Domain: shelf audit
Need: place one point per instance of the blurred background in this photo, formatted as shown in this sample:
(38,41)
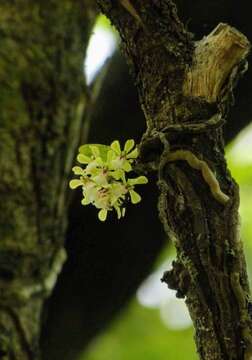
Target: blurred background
(155,324)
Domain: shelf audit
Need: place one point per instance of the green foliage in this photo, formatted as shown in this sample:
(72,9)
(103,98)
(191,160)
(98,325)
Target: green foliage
(140,335)
(104,179)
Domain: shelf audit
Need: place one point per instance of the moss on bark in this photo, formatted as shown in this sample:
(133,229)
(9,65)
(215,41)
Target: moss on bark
(42,94)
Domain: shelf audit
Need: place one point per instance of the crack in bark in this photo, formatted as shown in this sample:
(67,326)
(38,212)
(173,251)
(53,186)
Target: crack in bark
(9,349)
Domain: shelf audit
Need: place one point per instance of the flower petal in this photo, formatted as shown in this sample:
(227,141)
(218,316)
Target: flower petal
(117,174)
(135,197)
(116,147)
(102,214)
(85,150)
(95,150)
(85,201)
(75,183)
(83,159)
(126,166)
(110,156)
(118,210)
(123,177)
(129,145)
(100,179)
(99,161)
(133,154)
(138,180)
(78,170)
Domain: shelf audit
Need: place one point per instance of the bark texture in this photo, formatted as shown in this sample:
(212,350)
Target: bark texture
(42,101)
(185,104)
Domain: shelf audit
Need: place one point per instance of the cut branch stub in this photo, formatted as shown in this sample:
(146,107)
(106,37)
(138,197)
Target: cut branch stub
(216,55)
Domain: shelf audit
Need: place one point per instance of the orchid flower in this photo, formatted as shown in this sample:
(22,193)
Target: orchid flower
(103,177)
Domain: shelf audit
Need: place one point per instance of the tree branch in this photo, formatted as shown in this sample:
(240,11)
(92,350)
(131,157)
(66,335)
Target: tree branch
(210,269)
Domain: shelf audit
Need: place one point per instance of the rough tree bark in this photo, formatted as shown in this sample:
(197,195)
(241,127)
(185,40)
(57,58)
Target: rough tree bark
(42,99)
(87,309)
(41,110)
(185,91)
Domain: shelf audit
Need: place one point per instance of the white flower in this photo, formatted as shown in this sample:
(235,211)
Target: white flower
(102,200)
(122,159)
(103,180)
(90,192)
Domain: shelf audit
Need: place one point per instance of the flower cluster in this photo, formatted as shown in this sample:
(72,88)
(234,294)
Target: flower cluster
(104,179)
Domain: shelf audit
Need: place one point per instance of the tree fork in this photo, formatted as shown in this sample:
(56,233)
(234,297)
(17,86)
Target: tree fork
(180,83)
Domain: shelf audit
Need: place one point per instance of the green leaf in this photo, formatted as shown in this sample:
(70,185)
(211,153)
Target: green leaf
(75,183)
(135,197)
(116,147)
(129,145)
(102,215)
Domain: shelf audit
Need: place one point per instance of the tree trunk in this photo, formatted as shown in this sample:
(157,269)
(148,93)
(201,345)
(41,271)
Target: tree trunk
(43,98)
(43,105)
(185,91)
